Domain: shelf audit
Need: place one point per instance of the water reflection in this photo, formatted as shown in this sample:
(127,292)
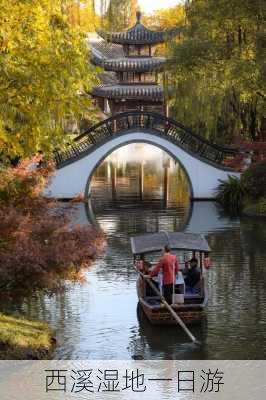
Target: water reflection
(153,341)
(140,172)
(100,319)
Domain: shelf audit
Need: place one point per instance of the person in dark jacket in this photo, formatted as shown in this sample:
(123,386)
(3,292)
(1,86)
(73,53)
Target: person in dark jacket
(193,275)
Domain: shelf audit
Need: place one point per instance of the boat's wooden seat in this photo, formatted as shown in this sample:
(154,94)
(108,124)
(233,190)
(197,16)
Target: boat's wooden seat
(155,302)
(192,295)
(153,299)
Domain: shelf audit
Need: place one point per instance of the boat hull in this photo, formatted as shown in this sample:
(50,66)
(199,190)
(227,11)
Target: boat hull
(163,317)
(190,314)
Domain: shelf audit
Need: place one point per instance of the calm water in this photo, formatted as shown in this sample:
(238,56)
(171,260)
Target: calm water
(100,319)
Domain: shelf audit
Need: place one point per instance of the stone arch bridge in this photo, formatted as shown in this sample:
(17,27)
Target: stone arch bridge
(204,163)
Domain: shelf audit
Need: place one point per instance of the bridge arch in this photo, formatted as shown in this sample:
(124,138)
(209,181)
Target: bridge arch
(74,173)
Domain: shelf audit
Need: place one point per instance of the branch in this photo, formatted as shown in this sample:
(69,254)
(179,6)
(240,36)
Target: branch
(261,95)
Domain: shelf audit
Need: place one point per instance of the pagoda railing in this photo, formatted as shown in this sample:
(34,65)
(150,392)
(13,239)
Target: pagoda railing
(156,124)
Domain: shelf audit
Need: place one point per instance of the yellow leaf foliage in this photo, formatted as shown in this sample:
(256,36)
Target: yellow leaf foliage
(45,76)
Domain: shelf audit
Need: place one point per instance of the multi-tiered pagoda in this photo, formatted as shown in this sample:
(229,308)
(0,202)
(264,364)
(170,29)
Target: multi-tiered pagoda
(131,77)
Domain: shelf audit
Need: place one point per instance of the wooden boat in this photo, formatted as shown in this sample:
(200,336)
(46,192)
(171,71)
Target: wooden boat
(188,305)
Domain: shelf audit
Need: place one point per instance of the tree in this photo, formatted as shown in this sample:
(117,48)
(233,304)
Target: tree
(166,18)
(39,246)
(121,14)
(217,71)
(254,180)
(83,14)
(44,76)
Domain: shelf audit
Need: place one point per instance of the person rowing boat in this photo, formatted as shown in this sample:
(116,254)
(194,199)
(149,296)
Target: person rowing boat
(169,266)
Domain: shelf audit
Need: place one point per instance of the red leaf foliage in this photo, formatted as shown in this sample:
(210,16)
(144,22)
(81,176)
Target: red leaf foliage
(39,246)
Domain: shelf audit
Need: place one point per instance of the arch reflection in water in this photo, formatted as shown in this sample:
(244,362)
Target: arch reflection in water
(139,174)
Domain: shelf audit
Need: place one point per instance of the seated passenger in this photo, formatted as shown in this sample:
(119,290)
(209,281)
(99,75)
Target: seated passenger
(193,276)
(207,261)
(143,265)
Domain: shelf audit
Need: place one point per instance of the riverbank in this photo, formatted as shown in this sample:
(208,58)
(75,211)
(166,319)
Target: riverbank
(23,339)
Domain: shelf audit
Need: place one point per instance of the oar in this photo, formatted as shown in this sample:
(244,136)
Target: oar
(172,311)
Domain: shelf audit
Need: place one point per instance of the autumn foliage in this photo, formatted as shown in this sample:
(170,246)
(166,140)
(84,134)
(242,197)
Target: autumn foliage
(44,76)
(39,246)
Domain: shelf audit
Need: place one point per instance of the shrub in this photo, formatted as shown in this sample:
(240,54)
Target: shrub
(256,208)
(39,247)
(254,180)
(231,193)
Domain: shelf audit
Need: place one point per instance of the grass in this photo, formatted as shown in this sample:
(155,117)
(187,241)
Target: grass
(24,339)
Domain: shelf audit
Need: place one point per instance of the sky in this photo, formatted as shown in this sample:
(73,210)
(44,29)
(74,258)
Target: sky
(148,6)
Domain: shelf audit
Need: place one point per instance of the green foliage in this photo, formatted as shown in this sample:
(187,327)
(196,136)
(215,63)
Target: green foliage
(257,208)
(44,76)
(254,180)
(248,192)
(216,84)
(231,194)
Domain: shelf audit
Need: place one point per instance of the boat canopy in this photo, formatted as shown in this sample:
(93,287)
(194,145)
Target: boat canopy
(154,242)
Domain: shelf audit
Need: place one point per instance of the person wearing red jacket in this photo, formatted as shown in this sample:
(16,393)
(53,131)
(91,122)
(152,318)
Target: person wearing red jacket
(169,266)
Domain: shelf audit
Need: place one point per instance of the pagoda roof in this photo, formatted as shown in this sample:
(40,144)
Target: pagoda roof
(106,51)
(138,34)
(129,92)
(143,64)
